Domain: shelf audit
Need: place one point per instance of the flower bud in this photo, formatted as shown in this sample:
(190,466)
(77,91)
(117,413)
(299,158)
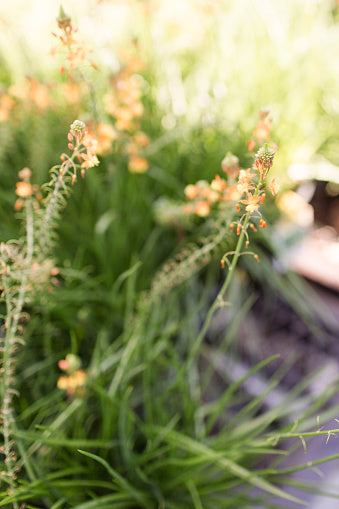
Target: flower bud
(25,174)
(230,164)
(64,20)
(78,130)
(78,126)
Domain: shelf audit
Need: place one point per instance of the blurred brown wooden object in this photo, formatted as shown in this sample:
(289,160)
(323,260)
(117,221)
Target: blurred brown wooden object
(317,258)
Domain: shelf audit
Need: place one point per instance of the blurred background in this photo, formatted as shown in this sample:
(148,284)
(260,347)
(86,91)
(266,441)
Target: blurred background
(170,88)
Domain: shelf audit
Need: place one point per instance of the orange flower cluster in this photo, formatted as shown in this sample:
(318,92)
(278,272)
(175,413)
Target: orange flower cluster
(79,139)
(30,94)
(124,104)
(251,187)
(105,134)
(24,189)
(72,92)
(242,187)
(203,195)
(262,131)
(6,104)
(73,382)
(76,50)
(89,157)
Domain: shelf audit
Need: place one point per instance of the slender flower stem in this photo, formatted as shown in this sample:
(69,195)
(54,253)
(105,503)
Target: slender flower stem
(225,285)
(15,276)
(87,82)
(14,309)
(52,205)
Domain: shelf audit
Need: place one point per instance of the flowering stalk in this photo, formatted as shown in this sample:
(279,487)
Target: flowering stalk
(14,298)
(76,54)
(255,196)
(83,150)
(19,262)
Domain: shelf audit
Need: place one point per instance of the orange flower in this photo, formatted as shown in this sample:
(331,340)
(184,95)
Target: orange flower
(262,131)
(23,189)
(211,195)
(32,91)
(4,114)
(25,174)
(252,203)
(245,177)
(128,89)
(76,49)
(124,124)
(232,193)
(19,90)
(18,205)
(133,62)
(218,184)
(39,94)
(72,92)
(124,118)
(106,130)
(202,208)
(90,143)
(138,164)
(274,186)
(111,104)
(89,160)
(73,384)
(76,378)
(6,104)
(141,139)
(250,145)
(106,134)
(137,109)
(63,364)
(132,148)
(191,192)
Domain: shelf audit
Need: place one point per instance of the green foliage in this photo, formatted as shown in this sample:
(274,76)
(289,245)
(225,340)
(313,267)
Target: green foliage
(162,421)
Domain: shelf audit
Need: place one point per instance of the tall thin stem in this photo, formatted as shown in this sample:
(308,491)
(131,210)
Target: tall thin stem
(222,291)
(14,305)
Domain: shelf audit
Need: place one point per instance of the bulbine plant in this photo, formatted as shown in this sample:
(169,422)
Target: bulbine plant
(27,264)
(141,425)
(250,191)
(158,447)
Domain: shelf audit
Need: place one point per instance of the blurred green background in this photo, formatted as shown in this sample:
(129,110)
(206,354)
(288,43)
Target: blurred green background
(203,69)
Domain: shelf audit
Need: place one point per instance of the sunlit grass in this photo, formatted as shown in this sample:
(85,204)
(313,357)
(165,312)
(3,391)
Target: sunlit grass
(161,420)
